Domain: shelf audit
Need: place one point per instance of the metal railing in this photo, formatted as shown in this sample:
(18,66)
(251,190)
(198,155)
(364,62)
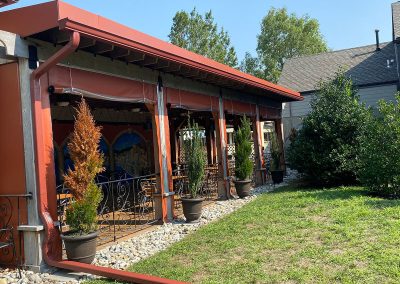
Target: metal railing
(11,204)
(127,206)
(209,188)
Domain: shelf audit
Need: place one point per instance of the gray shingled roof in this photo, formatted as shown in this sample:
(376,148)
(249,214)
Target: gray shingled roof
(363,64)
(396,20)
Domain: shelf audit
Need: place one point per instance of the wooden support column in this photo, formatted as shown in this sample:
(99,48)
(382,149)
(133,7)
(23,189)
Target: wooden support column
(279,135)
(162,156)
(258,154)
(209,142)
(221,141)
(214,144)
(174,159)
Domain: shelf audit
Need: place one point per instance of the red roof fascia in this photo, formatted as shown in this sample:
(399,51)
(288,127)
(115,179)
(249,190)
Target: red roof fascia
(65,16)
(96,26)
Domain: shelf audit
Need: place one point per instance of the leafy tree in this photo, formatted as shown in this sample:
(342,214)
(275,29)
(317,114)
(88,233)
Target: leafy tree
(380,150)
(251,65)
(243,163)
(326,149)
(201,35)
(284,36)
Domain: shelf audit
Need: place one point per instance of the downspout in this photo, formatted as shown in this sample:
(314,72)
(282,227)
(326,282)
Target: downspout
(50,230)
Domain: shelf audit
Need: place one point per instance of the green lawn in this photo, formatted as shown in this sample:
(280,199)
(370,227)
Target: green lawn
(291,236)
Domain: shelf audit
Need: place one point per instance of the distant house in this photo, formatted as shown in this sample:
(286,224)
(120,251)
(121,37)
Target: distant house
(373,68)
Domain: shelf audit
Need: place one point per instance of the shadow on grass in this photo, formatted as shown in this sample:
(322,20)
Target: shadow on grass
(327,193)
(383,203)
(338,193)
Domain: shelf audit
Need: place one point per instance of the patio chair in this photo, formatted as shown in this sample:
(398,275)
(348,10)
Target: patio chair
(7,243)
(146,196)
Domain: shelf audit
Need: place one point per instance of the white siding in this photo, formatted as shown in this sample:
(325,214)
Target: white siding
(371,96)
(298,108)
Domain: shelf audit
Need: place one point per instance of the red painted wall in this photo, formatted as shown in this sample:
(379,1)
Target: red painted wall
(61,130)
(12,165)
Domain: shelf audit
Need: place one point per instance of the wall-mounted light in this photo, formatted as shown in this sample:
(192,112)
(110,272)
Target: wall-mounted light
(63,104)
(136,109)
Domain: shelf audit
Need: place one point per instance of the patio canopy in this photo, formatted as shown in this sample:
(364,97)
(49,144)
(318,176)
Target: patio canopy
(104,37)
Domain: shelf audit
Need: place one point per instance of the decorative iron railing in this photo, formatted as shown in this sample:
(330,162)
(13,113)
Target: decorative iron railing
(231,149)
(13,208)
(127,206)
(209,188)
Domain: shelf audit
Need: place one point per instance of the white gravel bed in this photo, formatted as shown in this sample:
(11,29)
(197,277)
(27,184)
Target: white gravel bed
(125,253)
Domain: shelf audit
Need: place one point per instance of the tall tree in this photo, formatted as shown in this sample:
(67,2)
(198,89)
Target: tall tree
(251,65)
(201,35)
(283,36)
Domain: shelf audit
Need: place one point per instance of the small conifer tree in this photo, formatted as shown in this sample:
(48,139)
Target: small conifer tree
(88,162)
(195,158)
(243,163)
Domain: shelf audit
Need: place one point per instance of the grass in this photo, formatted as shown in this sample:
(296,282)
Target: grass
(291,236)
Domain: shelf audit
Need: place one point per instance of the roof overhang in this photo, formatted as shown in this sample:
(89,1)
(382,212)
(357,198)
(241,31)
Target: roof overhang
(104,37)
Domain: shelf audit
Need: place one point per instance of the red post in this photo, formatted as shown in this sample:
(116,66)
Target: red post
(258,154)
(221,141)
(162,156)
(279,135)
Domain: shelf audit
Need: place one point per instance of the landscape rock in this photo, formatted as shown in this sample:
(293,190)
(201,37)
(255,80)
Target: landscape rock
(145,245)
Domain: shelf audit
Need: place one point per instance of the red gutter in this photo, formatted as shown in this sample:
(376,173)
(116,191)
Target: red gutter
(50,255)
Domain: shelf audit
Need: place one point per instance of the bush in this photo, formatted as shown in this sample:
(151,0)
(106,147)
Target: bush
(195,158)
(327,147)
(380,150)
(243,163)
(82,215)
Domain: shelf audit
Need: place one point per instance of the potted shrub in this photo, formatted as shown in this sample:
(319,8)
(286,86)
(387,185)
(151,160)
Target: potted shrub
(276,155)
(81,240)
(196,162)
(243,163)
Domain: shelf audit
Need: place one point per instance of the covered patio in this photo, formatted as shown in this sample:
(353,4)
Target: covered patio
(141,91)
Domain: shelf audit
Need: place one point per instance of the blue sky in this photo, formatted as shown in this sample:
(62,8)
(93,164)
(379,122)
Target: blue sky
(344,23)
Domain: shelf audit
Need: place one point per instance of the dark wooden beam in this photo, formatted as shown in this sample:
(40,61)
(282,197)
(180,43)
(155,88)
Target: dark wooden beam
(61,37)
(119,52)
(135,57)
(201,76)
(161,64)
(149,60)
(174,67)
(86,42)
(101,48)
(192,74)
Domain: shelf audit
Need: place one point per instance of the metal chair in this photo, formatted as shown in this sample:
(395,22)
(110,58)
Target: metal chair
(6,243)
(145,197)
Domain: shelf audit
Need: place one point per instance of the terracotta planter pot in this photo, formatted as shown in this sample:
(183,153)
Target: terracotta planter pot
(80,248)
(277,176)
(243,187)
(192,208)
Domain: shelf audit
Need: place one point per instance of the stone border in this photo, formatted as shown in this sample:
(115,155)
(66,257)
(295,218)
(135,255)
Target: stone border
(141,246)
